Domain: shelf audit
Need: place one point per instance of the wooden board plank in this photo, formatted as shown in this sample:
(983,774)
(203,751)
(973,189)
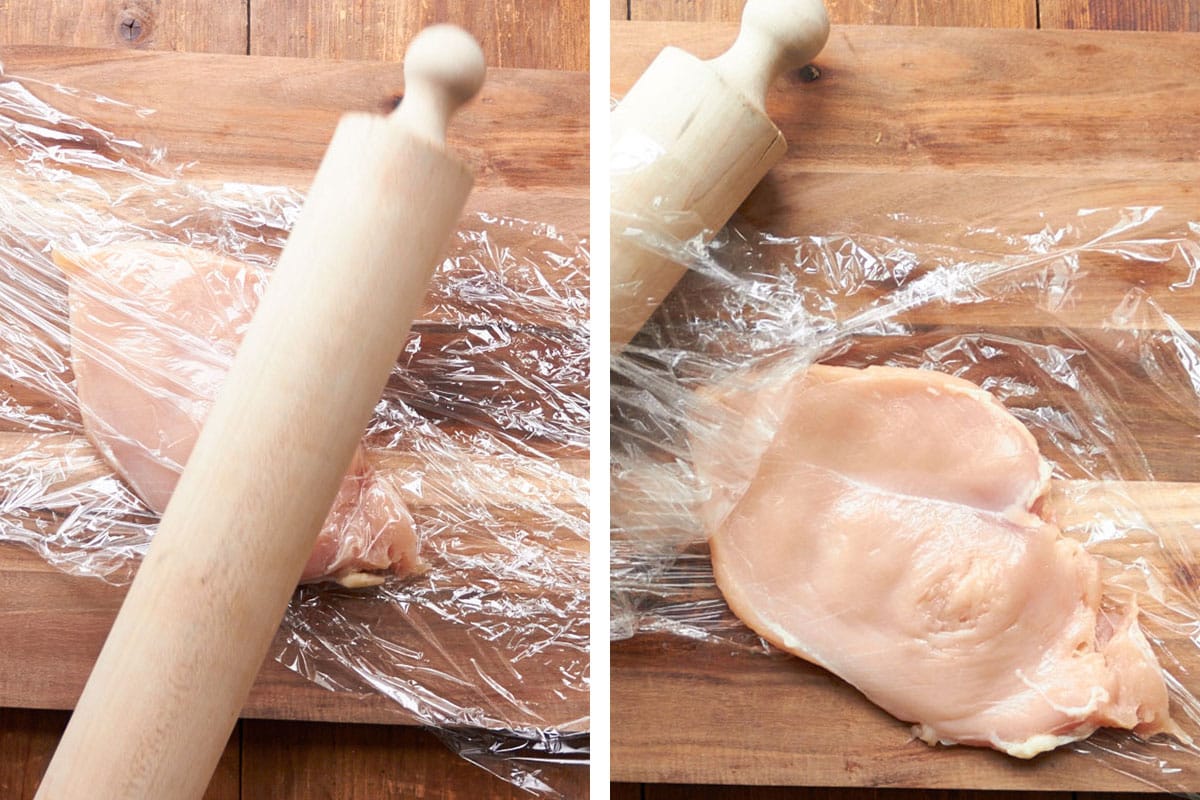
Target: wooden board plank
(1120,15)
(978,13)
(267,120)
(1023,104)
(56,623)
(226,783)
(542,34)
(808,728)
(1005,128)
(205,26)
(51,643)
(289,761)
(28,739)
(680,792)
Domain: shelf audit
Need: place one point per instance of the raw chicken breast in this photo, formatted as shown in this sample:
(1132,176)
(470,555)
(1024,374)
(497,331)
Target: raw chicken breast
(889,536)
(154,328)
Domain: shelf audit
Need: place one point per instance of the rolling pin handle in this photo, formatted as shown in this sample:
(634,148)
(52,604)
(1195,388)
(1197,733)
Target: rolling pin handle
(776,36)
(443,69)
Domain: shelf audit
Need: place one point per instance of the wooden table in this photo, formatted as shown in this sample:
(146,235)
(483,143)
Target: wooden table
(886,132)
(272,755)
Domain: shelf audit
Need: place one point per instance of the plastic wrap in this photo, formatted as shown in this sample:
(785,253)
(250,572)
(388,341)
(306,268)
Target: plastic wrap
(482,430)
(1084,329)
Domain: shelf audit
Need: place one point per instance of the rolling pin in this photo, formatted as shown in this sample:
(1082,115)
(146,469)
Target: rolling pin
(690,141)
(194,629)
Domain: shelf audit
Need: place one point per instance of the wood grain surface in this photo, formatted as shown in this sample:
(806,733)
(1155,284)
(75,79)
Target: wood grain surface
(28,739)
(683,792)
(540,34)
(965,124)
(205,26)
(1016,128)
(54,625)
(1081,14)
(981,13)
(811,728)
(544,34)
(287,761)
(1124,15)
(1120,15)
(808,729)
(267,120)
(669,791)
(295,761)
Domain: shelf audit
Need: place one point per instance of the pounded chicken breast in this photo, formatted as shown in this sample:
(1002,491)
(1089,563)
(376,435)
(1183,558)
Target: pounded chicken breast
(890,536)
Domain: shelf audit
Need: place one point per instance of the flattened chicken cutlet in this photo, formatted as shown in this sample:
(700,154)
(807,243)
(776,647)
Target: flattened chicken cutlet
(889,536)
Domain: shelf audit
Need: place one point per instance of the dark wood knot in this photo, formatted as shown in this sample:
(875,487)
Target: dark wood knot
(134,24)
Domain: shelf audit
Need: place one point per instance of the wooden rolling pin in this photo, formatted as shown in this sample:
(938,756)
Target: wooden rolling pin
(691,140)
(195,627)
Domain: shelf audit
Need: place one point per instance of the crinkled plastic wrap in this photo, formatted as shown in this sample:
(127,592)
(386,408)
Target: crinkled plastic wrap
(482,431)
(1085,329)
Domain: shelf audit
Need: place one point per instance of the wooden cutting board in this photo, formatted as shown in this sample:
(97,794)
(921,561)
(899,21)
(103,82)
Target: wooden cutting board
(1009,128)
(267,120)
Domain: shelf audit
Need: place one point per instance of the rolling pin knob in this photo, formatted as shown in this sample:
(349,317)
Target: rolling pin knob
(443,69)
(776,36)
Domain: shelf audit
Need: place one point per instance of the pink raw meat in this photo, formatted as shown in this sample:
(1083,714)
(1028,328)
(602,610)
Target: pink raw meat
(890,536)
(154,328)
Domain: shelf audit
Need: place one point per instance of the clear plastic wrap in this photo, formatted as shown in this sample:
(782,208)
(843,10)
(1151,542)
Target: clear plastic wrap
(1084,329)
(482,430)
